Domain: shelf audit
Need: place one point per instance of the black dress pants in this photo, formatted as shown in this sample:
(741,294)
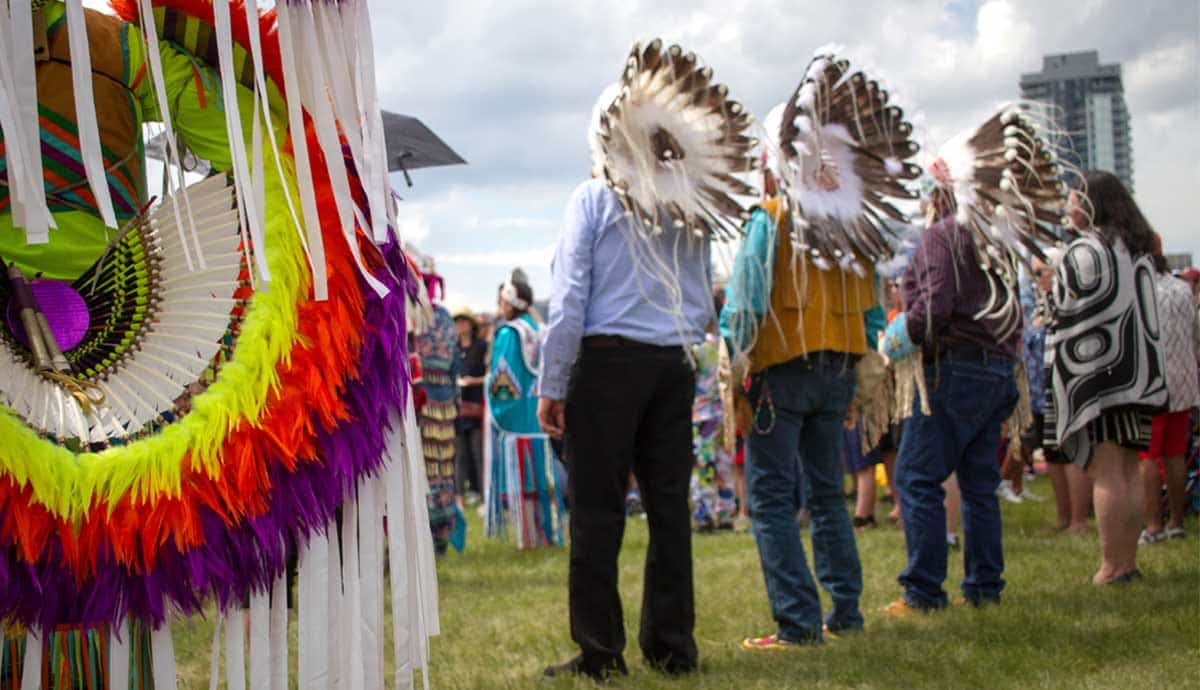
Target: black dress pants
(629,408)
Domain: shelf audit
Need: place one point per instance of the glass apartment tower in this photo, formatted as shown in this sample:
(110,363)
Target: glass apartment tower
(1087,100)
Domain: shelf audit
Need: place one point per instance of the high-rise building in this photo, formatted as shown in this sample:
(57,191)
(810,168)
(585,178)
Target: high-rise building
(1087,100)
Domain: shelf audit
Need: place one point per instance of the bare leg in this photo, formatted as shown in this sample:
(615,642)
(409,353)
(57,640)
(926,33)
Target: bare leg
(1013,468)
(952,502)
(739,490)
(1176,470)
(1152,495)
(889,469)
(1080,485)
(1062,494)
(864,504)
(1118,509)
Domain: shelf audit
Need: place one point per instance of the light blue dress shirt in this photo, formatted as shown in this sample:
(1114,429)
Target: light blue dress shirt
(605,281)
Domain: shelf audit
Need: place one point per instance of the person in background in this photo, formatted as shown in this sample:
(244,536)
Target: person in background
(1191,276)
(861,463)
(953,506)
(861,467)
(714,505)
(617,385)
(487,329)
(1099,414)
(802,381)
(524,499)
(437,349)
(468,428)
(1068,515)
(969,375)
(742,522)
(1180,340)
(890,444)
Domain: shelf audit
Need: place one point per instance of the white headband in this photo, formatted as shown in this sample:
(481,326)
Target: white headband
(509,294)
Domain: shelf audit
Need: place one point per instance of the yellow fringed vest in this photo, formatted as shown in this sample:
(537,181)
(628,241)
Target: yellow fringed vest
(813,310)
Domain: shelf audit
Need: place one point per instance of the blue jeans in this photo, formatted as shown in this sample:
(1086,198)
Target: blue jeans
(968,402)
(795,454)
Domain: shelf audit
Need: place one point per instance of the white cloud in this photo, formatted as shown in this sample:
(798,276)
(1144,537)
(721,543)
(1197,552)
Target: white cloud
(413,227)
(1002,32)
(510,86)
(539,256)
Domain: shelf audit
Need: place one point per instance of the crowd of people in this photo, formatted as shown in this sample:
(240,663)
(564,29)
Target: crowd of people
(746,406)
(214,411)
(638,414)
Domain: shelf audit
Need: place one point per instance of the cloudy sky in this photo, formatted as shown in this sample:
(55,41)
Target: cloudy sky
(510,85)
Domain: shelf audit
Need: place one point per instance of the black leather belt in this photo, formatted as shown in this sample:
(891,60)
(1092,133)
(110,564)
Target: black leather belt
(832,358)
(971,353)
(610,342)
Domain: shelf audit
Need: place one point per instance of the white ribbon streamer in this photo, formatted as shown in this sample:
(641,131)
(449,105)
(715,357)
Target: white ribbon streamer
(150,36)
(118,654)
(313,614)
(162,652)
(337,610)
(235,649)
(353,676)
(304,178)
(33,660)
(370,548)
(85,111)
(19,119)
(314,89)
(279,634)
(214,664)
(249,202)
(314,248)
(376,163)
(260,641)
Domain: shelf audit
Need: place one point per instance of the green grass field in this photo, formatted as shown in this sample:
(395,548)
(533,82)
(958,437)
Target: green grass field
(504,617)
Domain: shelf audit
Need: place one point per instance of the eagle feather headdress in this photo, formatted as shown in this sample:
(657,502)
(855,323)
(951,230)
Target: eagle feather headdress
(1006,184)
(671,142)
(843,148)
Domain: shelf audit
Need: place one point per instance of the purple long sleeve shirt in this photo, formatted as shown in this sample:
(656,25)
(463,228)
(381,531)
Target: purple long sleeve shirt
(943,289)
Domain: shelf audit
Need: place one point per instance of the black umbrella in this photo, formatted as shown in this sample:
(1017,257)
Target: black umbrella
(410,145)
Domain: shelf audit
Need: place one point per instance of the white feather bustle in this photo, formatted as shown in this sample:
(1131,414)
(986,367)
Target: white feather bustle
(843,203)
(671,144)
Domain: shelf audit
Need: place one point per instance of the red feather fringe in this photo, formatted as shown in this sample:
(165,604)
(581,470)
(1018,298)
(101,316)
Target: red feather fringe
(308,398)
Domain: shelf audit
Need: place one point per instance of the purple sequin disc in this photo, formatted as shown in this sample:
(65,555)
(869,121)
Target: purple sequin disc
(65,311)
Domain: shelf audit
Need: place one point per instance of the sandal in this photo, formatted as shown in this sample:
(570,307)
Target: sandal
(1124,578)
(867,522)
(1148,537)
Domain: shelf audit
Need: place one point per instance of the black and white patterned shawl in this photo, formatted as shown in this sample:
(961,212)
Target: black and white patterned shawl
(1102,349)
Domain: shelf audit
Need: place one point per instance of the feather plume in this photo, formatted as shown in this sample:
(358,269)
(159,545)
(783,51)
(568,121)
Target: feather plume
(671,142)
(842,152)
(1010,195)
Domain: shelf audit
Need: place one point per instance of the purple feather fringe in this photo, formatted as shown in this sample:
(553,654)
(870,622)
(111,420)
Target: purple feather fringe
(247,557)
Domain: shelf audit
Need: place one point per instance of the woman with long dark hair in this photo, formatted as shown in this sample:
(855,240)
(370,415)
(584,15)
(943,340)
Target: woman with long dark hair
(1105,368)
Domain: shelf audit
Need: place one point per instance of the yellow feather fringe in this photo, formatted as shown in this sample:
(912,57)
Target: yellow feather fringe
(67,484)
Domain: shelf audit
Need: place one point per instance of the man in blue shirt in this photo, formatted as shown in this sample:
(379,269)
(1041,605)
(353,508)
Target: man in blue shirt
(617,384)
